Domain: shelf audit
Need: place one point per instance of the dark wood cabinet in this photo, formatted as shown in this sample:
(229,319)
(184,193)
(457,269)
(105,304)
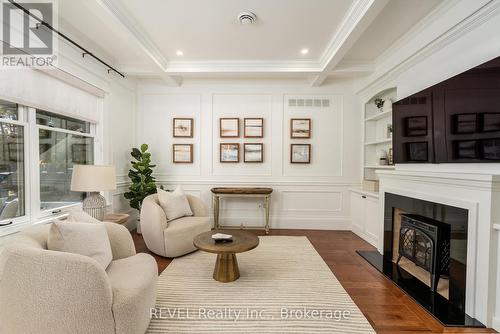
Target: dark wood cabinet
(412,123)
(455,121)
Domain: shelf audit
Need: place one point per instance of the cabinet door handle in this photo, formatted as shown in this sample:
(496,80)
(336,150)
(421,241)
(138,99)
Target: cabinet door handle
(363,196)
(55,211)
(6,224)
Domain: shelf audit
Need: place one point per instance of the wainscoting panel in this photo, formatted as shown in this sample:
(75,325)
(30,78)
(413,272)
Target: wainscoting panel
(314,201)
(242,106)
(310,196)
(326,134)
(157,131)
(292,205)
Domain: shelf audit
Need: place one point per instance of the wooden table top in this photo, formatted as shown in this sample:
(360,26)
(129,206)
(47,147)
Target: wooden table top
(242,242)
(118,218)
(242,191)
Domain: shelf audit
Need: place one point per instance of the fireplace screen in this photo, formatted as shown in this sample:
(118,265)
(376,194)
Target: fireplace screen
(425,242)
(417,247)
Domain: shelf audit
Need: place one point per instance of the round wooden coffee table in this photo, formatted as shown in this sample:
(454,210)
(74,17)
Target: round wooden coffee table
(226,266)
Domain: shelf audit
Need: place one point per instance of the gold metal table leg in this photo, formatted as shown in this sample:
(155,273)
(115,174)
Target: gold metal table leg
(216,211)
(266,204)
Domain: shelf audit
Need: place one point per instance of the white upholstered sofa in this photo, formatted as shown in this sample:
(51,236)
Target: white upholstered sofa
(50,292)
(173,238)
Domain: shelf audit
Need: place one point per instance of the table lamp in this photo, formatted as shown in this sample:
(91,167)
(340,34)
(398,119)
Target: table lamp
(93,179)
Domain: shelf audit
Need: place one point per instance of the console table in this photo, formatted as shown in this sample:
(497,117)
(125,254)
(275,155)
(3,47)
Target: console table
(222,192)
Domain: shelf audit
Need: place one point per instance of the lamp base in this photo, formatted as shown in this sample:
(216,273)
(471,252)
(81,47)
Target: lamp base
(95,205)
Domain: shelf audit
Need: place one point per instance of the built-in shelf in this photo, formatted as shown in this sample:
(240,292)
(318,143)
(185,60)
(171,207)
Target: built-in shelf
(381,115)
(376,142)
(380,167)
(376,126)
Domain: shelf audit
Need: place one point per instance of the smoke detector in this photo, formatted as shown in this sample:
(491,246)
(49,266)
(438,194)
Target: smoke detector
(247,18)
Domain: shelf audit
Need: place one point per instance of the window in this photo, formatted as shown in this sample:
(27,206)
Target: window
(58,151)
(38,150)
(12,180)
(8,110)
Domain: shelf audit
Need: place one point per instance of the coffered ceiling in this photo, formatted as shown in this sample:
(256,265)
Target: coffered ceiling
(172,39)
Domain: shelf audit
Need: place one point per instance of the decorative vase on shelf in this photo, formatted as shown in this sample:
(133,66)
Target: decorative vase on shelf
(389,131)
(382,160)
(379,103)
(390,157)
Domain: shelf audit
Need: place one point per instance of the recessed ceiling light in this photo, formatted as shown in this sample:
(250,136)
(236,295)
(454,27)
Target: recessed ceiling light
(304,51)
(179,53)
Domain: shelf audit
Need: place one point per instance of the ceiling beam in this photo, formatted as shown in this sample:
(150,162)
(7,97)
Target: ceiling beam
(360,15)
(146,44)
(353,68)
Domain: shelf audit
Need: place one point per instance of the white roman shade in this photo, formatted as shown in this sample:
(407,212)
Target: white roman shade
(37,89)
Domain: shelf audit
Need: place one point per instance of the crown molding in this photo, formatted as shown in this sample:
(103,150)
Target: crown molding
(169,70)
(435,43)
(354,14)
(146,44)
(359,16)
(236,66)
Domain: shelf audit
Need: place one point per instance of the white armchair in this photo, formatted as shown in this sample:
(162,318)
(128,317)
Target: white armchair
(43,291)
(173,238)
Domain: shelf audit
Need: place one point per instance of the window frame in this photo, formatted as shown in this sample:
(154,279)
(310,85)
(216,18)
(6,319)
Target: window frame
(33,214)
(38,213)
(23,220)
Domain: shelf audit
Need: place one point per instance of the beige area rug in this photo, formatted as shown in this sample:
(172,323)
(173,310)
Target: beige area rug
(285,287)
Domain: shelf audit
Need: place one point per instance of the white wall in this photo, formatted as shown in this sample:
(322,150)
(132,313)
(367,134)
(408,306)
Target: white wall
(305,196)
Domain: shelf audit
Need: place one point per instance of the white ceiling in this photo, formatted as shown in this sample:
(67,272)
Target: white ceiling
(141,37)
(397,18)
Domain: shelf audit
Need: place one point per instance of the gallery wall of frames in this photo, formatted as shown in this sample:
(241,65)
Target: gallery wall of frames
(304,146)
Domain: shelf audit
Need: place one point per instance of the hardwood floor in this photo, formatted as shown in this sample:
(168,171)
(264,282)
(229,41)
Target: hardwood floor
(387,308)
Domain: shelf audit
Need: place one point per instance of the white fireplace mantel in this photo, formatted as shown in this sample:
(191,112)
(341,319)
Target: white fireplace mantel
(479,193)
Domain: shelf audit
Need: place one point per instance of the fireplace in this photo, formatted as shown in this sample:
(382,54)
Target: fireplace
(425,242)
(425,254)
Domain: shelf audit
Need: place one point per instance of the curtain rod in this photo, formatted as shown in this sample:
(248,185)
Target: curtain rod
(85,51)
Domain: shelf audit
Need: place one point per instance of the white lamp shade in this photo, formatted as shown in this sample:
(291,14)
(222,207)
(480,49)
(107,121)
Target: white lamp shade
(93,178)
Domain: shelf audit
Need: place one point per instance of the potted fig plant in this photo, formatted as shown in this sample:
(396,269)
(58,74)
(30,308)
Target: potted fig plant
(143,181)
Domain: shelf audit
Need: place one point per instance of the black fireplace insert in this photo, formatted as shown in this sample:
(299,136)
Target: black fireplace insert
(425,242)
(452,221)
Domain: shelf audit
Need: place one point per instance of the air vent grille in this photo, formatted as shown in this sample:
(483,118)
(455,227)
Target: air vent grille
(316,103)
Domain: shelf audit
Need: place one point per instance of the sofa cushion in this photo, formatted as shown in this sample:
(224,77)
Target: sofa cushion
(180,233)
(174,204)
(133,281)
(81,238)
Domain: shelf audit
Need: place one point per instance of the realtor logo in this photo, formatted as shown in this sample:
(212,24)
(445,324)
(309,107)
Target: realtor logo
(27,40)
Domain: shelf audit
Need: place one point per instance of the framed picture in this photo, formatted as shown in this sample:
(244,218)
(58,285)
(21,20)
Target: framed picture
(300,153)
(416,126)
(490,122)
(183,127)
(417,151)
(466,149)
(464,123)
(300,128)
(230,152)
(253,152)
(253,127)
(182,153)
(229,127)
